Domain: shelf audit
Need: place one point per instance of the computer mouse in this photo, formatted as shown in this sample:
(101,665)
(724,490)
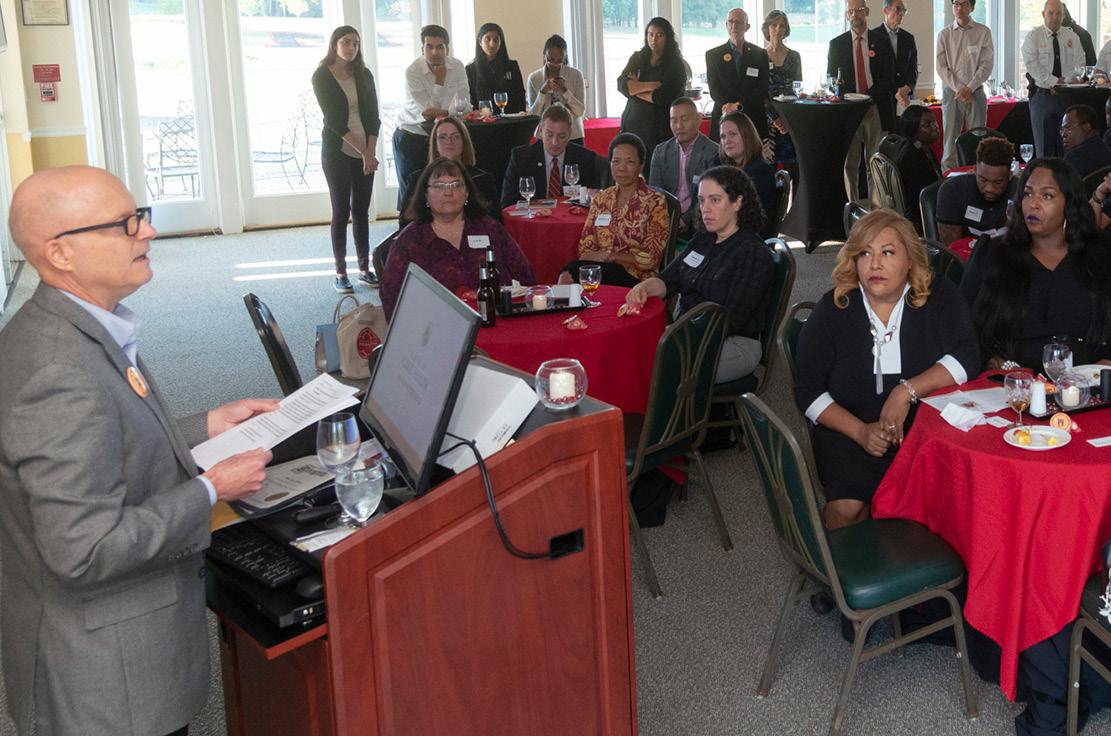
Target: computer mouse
(310,587)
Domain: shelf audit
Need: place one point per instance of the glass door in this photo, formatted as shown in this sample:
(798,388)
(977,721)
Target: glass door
(166,133)
(397,29)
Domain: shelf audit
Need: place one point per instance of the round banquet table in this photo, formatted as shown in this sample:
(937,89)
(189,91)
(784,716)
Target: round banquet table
(617,352)
(822,132)
(1094,97)
(1028,524)
(549,243)
(495,141)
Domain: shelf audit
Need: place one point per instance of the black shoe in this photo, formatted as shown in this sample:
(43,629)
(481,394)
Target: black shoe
(343,285)
(822,603)
(369,278)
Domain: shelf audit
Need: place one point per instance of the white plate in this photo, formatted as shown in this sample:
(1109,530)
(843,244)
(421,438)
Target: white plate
(1091,372)
(856,97)
(1038,436)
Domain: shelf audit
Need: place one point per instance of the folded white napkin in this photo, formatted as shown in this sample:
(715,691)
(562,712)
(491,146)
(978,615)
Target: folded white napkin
(961,418)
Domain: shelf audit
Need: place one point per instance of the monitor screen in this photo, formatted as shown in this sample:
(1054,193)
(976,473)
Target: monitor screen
(417,376)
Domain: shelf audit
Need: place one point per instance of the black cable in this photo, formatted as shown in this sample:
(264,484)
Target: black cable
(509,546)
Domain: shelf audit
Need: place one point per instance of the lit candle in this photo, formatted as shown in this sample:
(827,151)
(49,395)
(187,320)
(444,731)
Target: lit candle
(561,386)
(1070,397)
(1037,398)
(539,301)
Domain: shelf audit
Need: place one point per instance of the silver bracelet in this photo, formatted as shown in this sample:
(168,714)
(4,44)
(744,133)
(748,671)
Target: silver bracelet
(1009,365)
(910,390)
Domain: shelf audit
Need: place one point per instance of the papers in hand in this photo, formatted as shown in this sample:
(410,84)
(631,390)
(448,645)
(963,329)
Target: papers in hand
(312,402)
(962,418)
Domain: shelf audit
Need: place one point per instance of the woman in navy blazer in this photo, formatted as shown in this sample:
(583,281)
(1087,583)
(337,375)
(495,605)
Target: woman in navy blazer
(344,87)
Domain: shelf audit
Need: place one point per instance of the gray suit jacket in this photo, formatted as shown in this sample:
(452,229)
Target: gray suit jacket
(102,529)
(665,165)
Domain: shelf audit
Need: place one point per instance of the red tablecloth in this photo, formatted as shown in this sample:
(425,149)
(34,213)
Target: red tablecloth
(617,352)
(1027,524)
(600,131)
(549,243)
(998,109)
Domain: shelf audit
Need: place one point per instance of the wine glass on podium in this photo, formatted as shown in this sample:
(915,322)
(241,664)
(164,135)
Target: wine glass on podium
(337,446)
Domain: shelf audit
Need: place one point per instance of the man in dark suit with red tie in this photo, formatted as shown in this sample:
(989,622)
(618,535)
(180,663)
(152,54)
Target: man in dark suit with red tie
(545,159)
(738,75)
(867,65)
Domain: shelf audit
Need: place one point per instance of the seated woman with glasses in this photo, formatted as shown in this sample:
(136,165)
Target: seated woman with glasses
(728,263)
(1048,279)
(887,334)
(627,228)
(449,138)
(448,234)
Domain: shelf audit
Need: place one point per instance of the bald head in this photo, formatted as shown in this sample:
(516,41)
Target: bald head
(736,23)
(1053,13)
(102,265)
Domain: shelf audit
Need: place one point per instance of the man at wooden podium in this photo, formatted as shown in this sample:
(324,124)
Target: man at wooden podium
(103,518)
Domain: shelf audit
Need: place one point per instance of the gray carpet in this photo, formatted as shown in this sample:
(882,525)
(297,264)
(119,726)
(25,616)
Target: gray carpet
(699,650)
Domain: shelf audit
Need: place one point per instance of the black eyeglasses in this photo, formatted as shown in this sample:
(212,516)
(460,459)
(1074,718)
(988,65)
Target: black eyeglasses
(130,224)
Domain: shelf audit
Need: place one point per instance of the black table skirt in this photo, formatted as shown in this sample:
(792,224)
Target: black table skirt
(493,142)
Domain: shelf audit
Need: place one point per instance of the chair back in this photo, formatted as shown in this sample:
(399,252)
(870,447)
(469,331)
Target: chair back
(787,339)
(281,360)
(1092,180)
(927,205)
(853,211)
(944,261)
(682,386)
(789,489)
(887,183)
(381,253)
(968,141)
(674,213)
(775,304)
(782,202)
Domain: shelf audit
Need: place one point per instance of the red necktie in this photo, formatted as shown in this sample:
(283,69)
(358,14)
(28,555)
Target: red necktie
(555,189)
(861,70)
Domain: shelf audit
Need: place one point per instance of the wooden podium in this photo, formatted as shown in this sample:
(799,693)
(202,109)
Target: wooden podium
(434,628)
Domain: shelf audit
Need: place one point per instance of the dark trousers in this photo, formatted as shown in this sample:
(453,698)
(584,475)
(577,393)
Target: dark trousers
(613,274)
(1045,118)
(410,153)
(350,190)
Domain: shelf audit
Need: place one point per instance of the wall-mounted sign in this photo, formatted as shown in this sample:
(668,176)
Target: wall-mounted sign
(45,13)
(46,72)
(48,92)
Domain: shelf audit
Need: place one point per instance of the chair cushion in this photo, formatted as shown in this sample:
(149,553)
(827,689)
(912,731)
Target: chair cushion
(883,560)
(1089,599)
(742,385)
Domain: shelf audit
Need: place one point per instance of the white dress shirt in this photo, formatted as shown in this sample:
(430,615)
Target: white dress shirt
(1104,61)
(422,92)
(965,55)
(861,40)
(1037,54)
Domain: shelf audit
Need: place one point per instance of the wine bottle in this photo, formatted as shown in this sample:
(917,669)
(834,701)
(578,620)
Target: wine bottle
(492,269)
(839,85)
(487,298)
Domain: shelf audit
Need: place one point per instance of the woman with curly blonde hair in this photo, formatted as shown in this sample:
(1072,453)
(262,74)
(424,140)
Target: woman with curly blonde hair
(884,336)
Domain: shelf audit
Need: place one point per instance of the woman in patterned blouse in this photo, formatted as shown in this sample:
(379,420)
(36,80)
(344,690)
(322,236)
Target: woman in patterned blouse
(627,227)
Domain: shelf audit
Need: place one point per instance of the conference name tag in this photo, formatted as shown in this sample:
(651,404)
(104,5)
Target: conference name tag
(603,220)
(752,71)
(694,259)
(973,213)
(478,241)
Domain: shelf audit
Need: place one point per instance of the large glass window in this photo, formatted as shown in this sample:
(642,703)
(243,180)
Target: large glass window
(1104,34)
(396,26)
(704,28)
(813,24)
(1029,18)
(622,34)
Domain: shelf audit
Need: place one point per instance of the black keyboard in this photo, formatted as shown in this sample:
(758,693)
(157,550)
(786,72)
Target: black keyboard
(248,550)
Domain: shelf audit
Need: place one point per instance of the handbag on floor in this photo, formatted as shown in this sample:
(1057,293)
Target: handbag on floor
(347,341)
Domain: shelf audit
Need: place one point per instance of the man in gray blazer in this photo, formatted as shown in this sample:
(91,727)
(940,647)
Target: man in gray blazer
(103,518)
(678,163)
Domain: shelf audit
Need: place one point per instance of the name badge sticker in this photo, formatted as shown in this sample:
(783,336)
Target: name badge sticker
(603,220)
(478,241)
(694,259)
(973,213)
(752,71)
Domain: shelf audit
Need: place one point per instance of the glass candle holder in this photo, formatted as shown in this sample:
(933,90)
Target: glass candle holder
(1072,390)
(560,383)
(539,298)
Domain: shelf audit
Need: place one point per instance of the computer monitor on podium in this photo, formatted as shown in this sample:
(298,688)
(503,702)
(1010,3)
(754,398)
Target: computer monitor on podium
(416,379)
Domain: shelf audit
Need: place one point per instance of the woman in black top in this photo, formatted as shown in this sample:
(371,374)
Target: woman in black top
(885,335)
(727,264)
(918,167)
(449,138)
(1048,278)
(493,71)
(344,87)
(652,80)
